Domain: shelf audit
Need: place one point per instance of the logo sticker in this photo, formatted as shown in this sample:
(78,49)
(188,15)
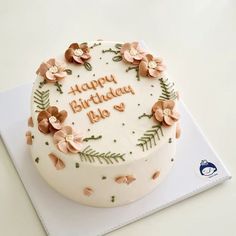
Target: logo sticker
(207,169)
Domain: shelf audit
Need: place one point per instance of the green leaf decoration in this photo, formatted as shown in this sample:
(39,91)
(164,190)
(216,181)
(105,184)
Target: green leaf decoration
(118,45)
(92,138)
(117,58)
(136,68)
(90,155)
(42,83)
(149,116)
(111,50)
(95,45)
(87,66)
(168,93)
(41,98)
(68,71)
(59,87)
(150,137)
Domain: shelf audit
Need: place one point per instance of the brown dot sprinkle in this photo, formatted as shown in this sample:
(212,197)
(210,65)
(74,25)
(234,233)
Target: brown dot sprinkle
(88,191)
(112,198)
(156,175)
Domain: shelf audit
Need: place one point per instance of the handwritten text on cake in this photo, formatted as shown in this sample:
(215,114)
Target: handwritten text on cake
(97,98)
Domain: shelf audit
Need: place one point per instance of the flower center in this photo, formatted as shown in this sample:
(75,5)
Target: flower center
(53,69)
(133,52)
(78,52)
(52,119)
(166,112)
(152,64)
(69,137)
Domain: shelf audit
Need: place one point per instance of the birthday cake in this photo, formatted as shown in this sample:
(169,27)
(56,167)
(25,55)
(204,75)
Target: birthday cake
(103,123)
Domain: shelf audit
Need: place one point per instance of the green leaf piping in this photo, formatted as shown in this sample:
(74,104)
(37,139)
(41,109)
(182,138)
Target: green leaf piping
(92,138)
(90,155)
(87,66)
(41,98)
(117,58)
(168,92)
(59,87)
(150,137)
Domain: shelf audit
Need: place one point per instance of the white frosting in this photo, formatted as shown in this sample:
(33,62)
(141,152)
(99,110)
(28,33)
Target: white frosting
(120,133)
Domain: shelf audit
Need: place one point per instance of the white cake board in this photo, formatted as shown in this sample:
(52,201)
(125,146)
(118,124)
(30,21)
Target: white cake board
(63,217)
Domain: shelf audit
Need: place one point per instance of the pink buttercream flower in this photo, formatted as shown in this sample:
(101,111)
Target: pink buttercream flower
(51,120)
(77,53)
(164,112)
(132,53)
(67,140)
(151,66)
(52,70)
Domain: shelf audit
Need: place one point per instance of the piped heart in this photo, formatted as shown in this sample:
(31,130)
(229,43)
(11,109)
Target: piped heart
(120,107)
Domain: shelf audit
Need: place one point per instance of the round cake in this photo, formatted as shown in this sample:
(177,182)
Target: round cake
(104,123)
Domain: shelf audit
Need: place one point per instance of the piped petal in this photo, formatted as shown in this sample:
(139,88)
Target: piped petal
(168,121)
(154,73)
(69,54)
(128,57)
(78,59)
(143,68)
(159,115)
(43,126)
(62,146)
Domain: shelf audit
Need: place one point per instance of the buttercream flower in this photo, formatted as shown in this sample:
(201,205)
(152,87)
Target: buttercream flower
(151,66)
(164,112)
(132,53)
(77,53)
(52,70)
(51,120)
(67,140)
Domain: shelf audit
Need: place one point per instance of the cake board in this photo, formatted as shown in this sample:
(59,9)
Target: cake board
(62,217)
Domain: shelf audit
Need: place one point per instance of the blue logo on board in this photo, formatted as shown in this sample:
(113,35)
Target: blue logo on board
(207,169)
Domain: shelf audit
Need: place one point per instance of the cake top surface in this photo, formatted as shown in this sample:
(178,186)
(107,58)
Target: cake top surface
(103,103)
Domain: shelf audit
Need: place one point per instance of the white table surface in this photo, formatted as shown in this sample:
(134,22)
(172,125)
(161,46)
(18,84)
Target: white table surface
(197,38)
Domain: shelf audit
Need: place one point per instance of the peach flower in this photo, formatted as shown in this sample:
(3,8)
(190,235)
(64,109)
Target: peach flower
(51,120)
(67,140)
(52,70)
(132,53)
(164,112)
(77,53)
(151,66)
(57,162)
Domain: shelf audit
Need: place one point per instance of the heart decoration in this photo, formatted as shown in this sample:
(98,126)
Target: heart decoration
(120,107)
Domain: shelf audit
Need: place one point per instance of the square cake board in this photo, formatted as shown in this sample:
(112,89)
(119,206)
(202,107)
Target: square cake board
(63,217)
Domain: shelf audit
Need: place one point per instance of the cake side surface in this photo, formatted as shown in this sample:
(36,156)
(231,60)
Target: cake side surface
(103,117)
